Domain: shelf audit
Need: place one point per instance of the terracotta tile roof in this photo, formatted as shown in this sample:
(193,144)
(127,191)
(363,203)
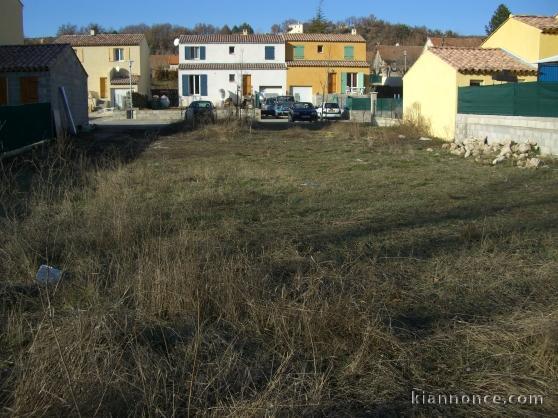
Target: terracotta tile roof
(125,81)
(324,63)
(102,39)
(391,54)
(462,42)
(29,58)
(232,66)
(323,37)
(163,60)
(482,60)
(235,38)
(548,24)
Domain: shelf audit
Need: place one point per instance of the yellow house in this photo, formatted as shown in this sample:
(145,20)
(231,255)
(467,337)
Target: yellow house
(325,64)
(107,58)
(530,37)
(431,85)
(11,22)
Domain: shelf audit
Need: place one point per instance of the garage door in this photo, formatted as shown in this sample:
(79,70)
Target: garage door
(302,94)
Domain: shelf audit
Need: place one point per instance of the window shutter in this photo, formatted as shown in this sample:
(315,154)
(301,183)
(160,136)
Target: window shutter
(269,52)
(203,84)
(3,91)
(110,54)
(202,53)
(343,83)
(185,85)
(349,52)
(360,80)
(187,53)
(299,52)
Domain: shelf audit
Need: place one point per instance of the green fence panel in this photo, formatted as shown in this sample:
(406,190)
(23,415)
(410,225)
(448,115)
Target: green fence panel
(359,103)
(25,125)
(512,99)
(389,108)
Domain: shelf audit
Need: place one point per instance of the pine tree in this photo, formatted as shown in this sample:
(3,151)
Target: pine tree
(319,23)
(500,16)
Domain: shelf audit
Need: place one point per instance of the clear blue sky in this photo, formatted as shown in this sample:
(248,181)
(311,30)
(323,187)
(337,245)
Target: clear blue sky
(42,17)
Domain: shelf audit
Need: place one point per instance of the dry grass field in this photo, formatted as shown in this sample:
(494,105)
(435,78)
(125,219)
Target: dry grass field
(310,271)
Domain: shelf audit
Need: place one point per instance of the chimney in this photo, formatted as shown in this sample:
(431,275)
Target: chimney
(354,31)
(245,32)
(93,32)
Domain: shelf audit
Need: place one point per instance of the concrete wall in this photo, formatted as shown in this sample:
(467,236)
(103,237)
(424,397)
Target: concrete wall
(11,22)
(218,83)
(244,53)
(516,128)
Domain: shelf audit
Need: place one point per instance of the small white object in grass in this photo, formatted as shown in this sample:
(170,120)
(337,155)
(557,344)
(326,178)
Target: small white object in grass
(429,150)
(48,275)
(402,137)
(425,139)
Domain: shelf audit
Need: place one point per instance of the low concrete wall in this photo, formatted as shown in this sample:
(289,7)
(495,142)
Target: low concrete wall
(385,122)
(504,128)
(364,116)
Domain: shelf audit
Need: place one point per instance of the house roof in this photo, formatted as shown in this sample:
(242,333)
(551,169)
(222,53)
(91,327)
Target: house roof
(322,37)
(392,54)
(103,39)
(553,59)
(235,38)
(125,81)
(325,63)
(548,24)
(482,60)
(463,42)
(232,66)
(163,60)
(29,58)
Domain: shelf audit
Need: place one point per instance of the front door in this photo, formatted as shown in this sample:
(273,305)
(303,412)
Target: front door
(246,84)
(103,89)
(332,83)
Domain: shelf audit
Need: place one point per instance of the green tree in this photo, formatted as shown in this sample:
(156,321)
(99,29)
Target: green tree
(319,23)
(500,16)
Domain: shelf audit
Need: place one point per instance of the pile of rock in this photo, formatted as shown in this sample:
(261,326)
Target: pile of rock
(522,155)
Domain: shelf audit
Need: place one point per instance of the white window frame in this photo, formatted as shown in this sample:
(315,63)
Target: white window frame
(352,80)
(118,54)
(194,85)
(195,53)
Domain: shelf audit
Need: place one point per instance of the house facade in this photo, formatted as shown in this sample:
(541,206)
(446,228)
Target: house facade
(222,67)
(31,74)
(106,58)
(431,85)
(532,38)
(325,64)
(391,62)
(11,22)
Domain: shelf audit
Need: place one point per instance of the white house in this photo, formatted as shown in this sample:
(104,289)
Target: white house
(218,67)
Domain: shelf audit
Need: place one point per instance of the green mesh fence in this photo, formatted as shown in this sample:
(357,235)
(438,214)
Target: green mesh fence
(359,103)
(21,126)
(512,99)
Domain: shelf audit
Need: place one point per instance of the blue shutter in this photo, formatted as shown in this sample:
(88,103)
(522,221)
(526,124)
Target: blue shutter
(185,85)
(187,53)
(269,52)
(202,53)
(203,84)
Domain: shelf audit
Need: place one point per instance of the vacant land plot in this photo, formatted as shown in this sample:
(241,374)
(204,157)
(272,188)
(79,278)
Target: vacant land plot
(315,271)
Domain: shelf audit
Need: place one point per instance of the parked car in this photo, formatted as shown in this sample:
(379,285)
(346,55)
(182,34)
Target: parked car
(329,111)
(282,108)
(268,107)
(201,111)
(290,99)
(303,111)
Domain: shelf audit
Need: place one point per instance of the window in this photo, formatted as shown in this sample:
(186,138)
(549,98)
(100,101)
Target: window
(118,54)
(194,53)
(352,80)
(194,85)
(349,52)
(232,78)
(475,83)
(231,50)
(3,91)
(29,90)
(269,52)
(299,52)
(320,49)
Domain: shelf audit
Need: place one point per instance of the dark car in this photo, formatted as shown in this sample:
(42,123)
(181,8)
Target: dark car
(201,110)
(303,111)
(268,107)
(283,104)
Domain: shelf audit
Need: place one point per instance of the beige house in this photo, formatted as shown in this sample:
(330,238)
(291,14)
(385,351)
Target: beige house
(106,58)
(11,22)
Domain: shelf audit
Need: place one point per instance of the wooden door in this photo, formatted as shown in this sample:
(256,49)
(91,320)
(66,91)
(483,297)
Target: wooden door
(29,90)
(3,91)
(246,84)
(332,83)
(103,92)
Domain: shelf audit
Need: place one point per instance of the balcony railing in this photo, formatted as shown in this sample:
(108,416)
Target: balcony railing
(355,90)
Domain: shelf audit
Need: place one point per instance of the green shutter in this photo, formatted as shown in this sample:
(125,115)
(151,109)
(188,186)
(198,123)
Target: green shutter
(349,53)
(299,52)
(360,80)
(343,83)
